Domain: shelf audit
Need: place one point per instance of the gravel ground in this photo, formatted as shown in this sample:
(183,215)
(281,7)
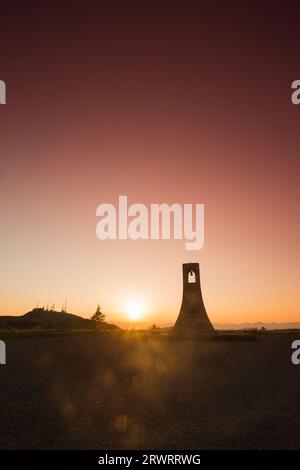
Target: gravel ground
(115,392)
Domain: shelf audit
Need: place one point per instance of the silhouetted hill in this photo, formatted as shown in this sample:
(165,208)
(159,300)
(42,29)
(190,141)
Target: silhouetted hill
(41,318)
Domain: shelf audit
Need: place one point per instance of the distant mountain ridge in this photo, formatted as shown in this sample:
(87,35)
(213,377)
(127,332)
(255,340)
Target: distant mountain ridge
(219,326)
(267,326)
(41,318)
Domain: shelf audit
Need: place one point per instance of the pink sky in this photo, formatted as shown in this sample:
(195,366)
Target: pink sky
(163,108)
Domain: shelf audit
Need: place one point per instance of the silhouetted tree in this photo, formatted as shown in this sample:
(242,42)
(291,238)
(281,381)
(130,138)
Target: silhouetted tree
(154,329)
(98,315)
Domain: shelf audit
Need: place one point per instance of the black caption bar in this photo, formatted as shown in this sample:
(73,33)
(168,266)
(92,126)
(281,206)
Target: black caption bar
(145,458)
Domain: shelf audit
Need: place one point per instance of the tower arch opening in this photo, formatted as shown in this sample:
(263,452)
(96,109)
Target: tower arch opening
(191,277)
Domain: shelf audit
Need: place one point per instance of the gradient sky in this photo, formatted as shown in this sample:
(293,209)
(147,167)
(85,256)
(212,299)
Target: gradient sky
(170,102)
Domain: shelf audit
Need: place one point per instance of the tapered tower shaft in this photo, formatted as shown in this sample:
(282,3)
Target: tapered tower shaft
(192,317)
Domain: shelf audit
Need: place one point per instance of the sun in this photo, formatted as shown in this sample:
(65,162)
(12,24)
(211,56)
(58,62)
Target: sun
(135,310)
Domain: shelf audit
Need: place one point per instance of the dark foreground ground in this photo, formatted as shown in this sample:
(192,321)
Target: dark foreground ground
(116,392)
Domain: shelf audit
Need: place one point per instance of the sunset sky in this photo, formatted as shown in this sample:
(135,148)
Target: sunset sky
(166,103)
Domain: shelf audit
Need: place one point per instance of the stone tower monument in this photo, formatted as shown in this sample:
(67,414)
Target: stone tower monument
(192,317)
